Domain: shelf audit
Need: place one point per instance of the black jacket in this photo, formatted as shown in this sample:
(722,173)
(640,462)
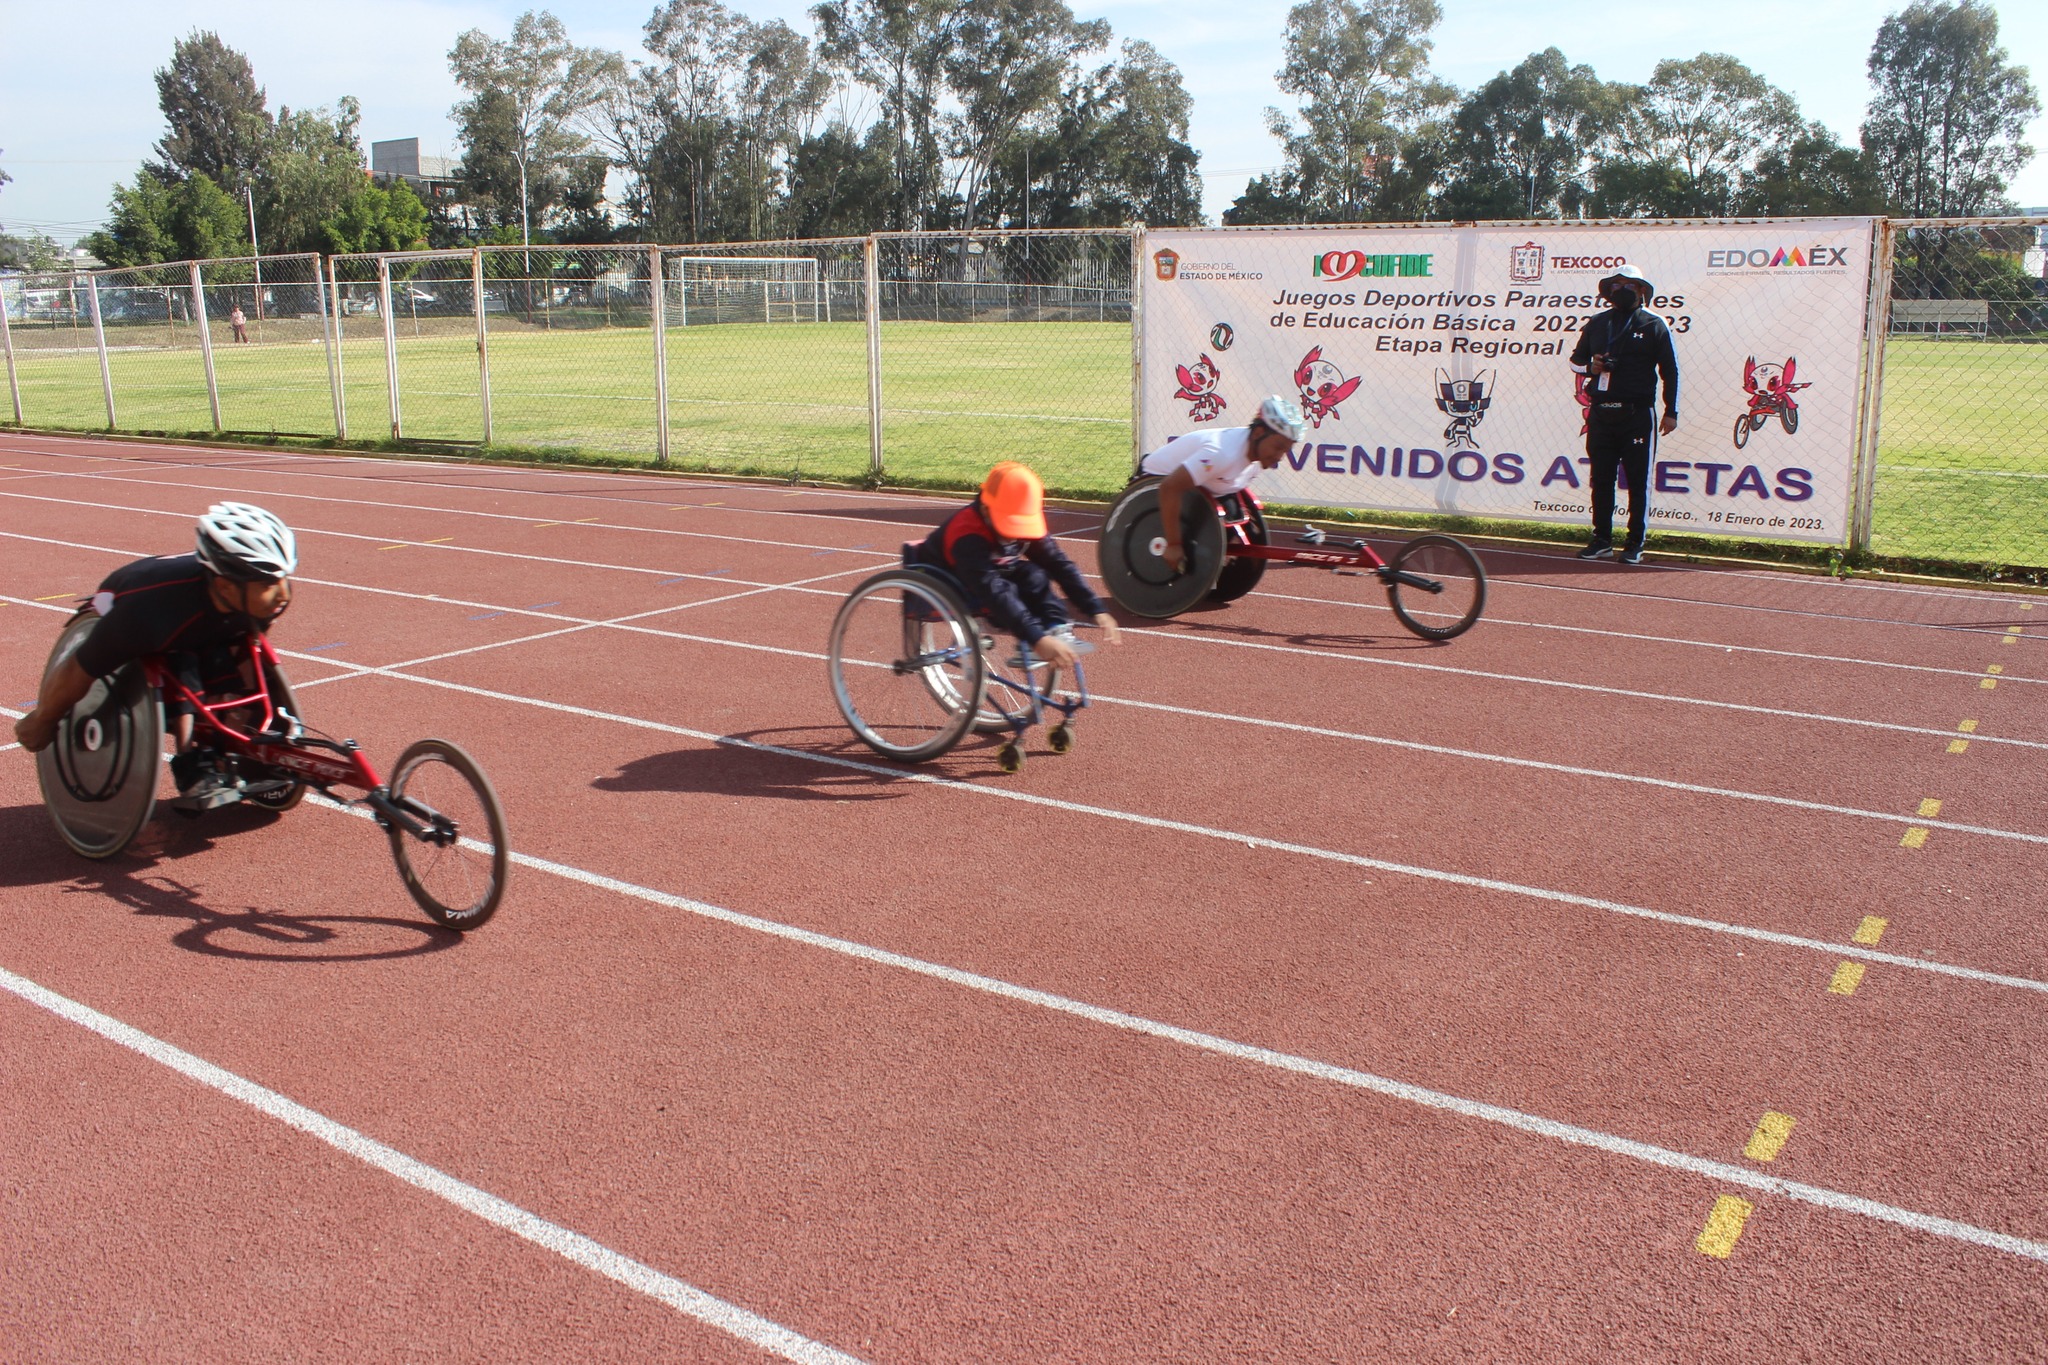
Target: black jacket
(1639,347)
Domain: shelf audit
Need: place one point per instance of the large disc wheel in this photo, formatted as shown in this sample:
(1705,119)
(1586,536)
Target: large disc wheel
(99,776)
(1240,576)
(282,699)
(1436,586)
(456,871)
(906,665)
(1788,418)
(1133,564)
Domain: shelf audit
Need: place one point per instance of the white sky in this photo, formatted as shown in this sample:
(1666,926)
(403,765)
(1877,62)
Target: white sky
(78,105)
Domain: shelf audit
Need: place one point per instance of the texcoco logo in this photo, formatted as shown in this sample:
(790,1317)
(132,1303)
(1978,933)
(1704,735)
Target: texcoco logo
(1526,263)
(1778,258)
(1351,265)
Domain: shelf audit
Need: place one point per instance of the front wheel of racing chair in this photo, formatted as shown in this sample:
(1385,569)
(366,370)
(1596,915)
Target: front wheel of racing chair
(906,665)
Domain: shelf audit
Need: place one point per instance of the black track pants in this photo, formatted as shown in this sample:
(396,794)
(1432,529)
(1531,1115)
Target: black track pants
(1621,439)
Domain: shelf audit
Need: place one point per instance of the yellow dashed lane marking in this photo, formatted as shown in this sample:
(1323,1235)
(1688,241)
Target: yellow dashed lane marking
(1870,931)
(1848,976)
(399,546)
(2014,630)
(1929,808)
(55,595)
(440,540)
(1769,1138)
(1988,684)
(2010,640)
(1956,746)
(1994,668)
(1724,1225)
(1968,727)
(1916,837)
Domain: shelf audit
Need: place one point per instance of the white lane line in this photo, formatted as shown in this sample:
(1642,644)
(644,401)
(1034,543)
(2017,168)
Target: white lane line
(463,549)
(1534,1125)
(571,1246)
(1245,840)
(650,481)
(1153,632)
(1631,693)
(576,624)
(535,520)
(1716,646)
(626,623)
(1944,594)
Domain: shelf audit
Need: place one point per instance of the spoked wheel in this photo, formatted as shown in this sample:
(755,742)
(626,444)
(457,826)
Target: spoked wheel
(99,775)
(1436,587)
(906,665)
(1240,576)
(456,872)
(1742,431)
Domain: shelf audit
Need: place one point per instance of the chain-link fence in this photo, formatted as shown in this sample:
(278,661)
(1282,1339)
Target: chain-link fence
(1012,345)
(915,357)
(1962,388)
(767,360)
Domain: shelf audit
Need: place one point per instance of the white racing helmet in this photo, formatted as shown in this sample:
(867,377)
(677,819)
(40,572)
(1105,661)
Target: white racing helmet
(1282,415)
(246,543)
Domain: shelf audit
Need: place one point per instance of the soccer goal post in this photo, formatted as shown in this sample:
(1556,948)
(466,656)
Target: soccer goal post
(747,289)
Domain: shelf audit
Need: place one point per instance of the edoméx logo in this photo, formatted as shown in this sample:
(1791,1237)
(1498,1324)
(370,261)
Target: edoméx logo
(1352,265)
(1805,258)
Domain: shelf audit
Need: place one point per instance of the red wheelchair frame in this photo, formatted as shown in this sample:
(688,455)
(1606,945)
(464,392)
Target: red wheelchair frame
(274,746)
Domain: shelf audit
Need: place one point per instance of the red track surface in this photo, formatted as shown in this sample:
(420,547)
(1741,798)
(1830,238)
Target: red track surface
(1103,1061)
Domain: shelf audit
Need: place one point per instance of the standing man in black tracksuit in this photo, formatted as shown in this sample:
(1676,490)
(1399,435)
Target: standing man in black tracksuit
(1622,352)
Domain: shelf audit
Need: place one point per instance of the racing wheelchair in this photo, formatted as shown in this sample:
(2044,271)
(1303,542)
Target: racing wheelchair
(1435,584)
(99,775)
(914,669)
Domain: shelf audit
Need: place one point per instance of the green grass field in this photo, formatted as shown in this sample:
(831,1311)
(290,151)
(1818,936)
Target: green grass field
(1963,472)
(776,399)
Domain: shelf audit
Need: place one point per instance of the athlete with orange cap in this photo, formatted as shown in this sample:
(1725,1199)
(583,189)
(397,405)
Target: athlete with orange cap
(998,547)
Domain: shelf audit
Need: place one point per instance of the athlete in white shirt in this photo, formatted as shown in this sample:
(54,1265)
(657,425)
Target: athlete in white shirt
(1220,463)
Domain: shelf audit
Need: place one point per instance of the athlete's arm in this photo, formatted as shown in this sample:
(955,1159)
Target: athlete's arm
(1048,555)
(1171,490)
(62,690)
(1667,366)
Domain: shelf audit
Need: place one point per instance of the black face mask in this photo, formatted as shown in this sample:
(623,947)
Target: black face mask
(1624,297)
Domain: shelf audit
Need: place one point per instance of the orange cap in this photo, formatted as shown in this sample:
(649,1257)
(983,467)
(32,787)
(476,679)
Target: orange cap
(1014,499)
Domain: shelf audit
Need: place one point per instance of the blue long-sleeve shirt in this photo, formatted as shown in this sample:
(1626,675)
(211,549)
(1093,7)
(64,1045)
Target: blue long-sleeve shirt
(985,564)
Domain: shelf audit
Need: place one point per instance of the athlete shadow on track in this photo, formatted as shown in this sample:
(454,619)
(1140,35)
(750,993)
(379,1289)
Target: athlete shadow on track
(1211,621)
(734,770)
(139,879)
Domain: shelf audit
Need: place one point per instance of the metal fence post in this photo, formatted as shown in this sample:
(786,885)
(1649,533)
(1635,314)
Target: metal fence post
(205,345)
(872,260)
(483,336)
(330,341)
(390,342)
(1870,414)
(340,367)
(657,298)
(1137,345)
(99,337)
(7,345)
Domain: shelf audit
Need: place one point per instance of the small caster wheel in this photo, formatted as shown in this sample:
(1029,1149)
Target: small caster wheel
(1061,738)
(1010,758)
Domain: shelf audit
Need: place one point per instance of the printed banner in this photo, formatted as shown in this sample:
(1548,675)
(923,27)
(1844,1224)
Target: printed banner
(1433,364)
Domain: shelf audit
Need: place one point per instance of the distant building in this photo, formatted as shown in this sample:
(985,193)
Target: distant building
(400,159)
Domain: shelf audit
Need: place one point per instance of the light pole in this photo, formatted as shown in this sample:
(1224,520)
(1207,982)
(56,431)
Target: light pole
(249,197)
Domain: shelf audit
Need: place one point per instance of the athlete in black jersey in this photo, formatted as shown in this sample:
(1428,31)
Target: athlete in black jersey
(196,610)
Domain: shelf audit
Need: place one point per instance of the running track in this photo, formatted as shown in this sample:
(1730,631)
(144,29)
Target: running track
(1658,972)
